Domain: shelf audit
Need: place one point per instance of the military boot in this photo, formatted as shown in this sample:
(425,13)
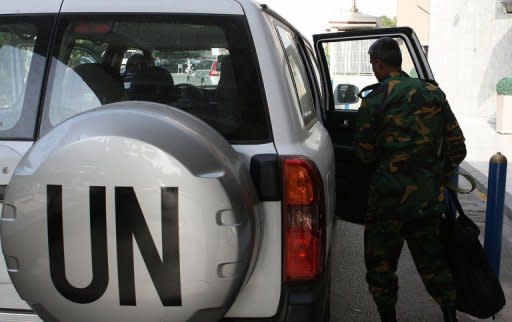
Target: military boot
(388,316)
(450,314)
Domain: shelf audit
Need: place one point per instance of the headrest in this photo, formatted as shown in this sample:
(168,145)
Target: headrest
(153,84)
(137,62)
(227,74)
(105,86)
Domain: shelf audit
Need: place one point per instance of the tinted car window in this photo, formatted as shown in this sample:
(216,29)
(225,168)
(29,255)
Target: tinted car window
(316,71)
(169,47)
(299,74)
(205,64)
(23,45)
(86,53)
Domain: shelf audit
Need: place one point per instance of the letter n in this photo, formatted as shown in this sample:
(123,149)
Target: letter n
(130,224)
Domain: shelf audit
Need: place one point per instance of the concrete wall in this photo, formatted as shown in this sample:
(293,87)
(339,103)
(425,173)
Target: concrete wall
(470,51)
(414,14)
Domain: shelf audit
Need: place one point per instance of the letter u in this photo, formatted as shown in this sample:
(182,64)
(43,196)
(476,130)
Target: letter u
(99,282)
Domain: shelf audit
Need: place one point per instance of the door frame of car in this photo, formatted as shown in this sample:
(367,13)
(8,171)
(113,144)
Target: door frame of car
(352,177)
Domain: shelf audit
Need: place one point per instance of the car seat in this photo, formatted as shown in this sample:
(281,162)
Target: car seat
(227,98)
(105,86)
(134,64)
(153,84)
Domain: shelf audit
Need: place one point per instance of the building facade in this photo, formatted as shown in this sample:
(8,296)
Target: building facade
(470,50)
(352,19)
(415,14)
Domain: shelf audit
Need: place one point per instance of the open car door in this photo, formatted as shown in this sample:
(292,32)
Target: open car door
(346,69)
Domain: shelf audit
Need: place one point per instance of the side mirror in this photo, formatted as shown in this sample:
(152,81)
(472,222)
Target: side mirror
(346,94)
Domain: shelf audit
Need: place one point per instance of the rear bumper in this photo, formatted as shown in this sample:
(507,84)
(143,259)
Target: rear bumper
(18,315)
(300,302)
(304,302)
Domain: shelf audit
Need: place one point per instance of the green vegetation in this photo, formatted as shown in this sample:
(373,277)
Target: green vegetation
(86,51)
(386,22)
(504,86)
(5,38)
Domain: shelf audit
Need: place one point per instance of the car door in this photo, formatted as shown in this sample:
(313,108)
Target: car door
(346,70)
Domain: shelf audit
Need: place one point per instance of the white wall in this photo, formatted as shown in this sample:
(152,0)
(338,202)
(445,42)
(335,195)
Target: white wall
(415,14)
(470,51)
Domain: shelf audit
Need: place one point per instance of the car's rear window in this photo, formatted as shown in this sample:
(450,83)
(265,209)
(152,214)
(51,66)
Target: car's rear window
(23,45)
(169,59)
(205,64)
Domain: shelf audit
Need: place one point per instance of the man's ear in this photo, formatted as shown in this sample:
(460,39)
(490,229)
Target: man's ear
(379,63)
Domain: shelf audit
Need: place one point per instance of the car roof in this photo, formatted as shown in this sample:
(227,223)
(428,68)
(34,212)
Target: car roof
(153,6)
(29,6)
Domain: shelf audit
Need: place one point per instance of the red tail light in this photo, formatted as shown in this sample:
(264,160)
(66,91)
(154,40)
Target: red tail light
(92,27)
(304,220)
(213,70)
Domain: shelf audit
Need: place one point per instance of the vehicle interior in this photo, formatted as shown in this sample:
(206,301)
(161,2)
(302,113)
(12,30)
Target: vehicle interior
(107,60)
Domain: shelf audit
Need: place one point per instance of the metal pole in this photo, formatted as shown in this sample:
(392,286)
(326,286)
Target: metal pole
(494,212)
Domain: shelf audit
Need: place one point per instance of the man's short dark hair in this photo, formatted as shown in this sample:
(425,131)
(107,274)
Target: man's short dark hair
(387,50)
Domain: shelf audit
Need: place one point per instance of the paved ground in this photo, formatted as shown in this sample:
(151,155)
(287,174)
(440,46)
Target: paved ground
(351,300)
(482,142)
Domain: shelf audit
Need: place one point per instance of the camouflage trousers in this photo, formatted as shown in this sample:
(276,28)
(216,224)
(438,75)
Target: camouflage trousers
(383,243)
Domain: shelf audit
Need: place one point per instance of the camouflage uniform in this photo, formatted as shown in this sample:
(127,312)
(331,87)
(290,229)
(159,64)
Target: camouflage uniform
(407,129)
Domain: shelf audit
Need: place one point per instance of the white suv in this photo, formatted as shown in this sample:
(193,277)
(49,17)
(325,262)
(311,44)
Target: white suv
(159,197)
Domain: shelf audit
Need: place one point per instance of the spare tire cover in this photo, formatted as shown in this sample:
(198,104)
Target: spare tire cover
(130,212)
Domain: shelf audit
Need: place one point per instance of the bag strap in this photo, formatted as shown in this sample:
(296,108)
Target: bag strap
(453,200)
(458,189)
(456,202)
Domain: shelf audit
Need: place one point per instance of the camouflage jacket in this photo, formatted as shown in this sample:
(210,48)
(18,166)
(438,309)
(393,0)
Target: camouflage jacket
(406,128)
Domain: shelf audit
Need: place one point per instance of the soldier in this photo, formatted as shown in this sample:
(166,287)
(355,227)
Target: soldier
(406,129)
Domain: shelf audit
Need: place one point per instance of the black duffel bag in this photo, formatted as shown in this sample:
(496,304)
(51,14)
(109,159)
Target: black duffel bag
(479,292)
